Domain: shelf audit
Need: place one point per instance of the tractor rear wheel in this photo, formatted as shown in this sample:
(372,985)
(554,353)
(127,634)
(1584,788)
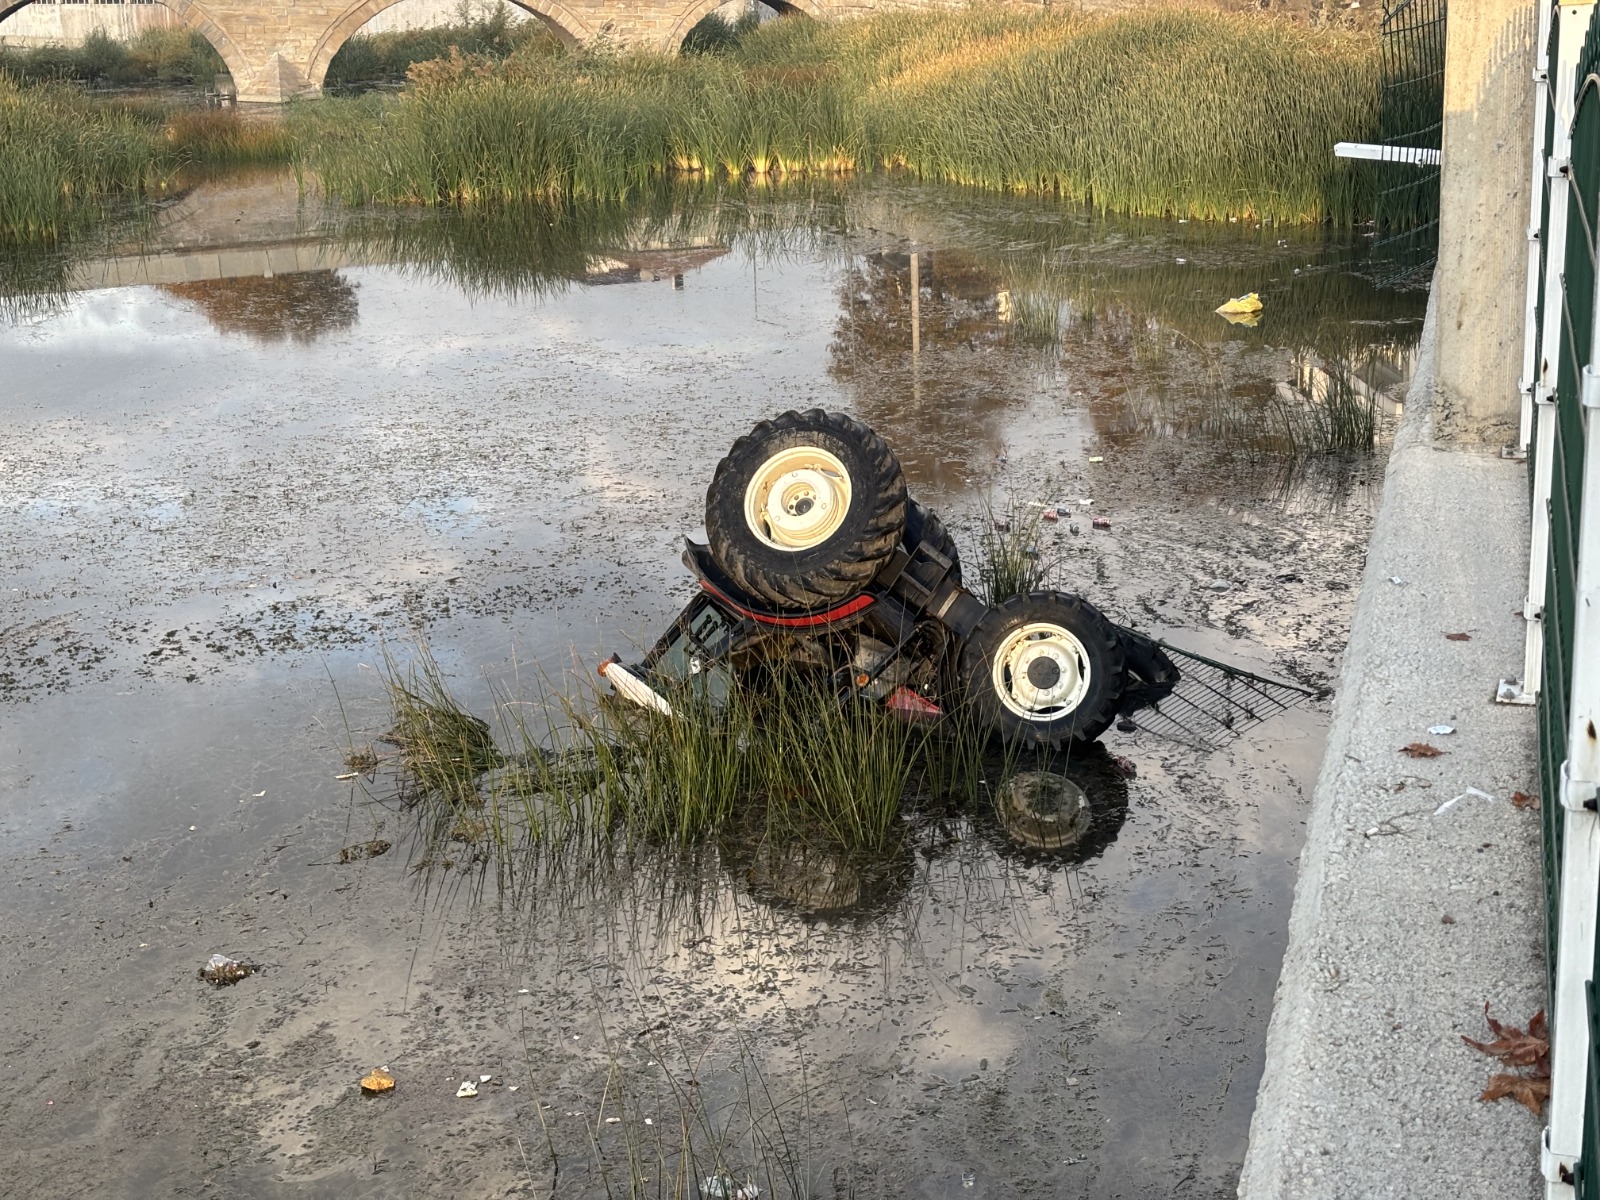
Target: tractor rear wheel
(805,509)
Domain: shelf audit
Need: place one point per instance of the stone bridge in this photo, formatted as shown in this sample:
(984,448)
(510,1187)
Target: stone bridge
(278,49)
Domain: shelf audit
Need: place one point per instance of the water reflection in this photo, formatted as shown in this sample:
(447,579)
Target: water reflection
(528,446)
(300,307)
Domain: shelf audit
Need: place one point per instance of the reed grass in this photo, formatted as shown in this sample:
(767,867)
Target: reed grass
(65,157)
(1168,113)
(1010,561)
(154,56)
(71,160)
(784,763)
(387,57)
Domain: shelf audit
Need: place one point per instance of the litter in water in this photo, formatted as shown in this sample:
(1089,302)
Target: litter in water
(1101,522)
(1397,581)
(467,1090)
(724,1188)
(377,1081)
(1097,458)
(1220,585)
(362,850)
(222,971)
(1441,730)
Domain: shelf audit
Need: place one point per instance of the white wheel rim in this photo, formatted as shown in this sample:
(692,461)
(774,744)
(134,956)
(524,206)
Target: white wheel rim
(1041,672)
(797,499)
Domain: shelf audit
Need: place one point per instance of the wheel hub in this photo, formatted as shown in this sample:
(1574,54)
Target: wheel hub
(1041,671)
(797,499)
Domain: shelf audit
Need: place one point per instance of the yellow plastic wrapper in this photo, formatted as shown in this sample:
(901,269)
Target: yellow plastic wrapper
(1240,305)
(377,1082)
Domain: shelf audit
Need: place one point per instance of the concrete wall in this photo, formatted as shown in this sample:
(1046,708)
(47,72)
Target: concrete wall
(42,24)
(1487,157)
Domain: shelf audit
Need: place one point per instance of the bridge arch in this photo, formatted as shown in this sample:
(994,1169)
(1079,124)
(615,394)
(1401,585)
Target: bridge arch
(192,14)
(554,15)
(699,9)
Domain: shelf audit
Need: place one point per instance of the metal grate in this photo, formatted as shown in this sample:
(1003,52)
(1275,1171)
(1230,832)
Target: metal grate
(1214,701)
(1411,115)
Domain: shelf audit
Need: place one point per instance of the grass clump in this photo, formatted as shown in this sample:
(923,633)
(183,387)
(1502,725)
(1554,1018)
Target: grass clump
(387,57)
(777,763)
(715,34)
(70,160)
(1231,117)
(65,158)
(1010,562)
(154,56)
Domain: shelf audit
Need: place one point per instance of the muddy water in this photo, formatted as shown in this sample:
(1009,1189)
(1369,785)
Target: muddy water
(225,497)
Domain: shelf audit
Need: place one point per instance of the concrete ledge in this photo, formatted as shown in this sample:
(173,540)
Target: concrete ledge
(1368,1090)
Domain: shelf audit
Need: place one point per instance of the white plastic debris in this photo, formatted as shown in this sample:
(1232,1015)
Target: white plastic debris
(1441,730)
(613,1120)
(485,1078)
(969,1179)
(1220,585)
(648,1121)
(1454,800)
(222,971)
(467,1090)
(1397,581)
(513,1087)
(724,1188)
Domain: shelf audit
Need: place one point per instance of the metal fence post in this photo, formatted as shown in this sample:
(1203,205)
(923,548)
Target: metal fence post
(1541,117)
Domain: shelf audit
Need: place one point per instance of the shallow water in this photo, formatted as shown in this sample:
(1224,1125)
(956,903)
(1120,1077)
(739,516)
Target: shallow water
(225,496)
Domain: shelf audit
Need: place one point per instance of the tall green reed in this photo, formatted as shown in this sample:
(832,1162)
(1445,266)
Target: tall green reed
(1168,113)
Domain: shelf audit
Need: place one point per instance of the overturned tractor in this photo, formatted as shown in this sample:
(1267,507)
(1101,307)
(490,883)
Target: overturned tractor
(817,558)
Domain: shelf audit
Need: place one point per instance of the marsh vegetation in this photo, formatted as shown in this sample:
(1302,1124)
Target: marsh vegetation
(1168,113)
(71,161)
(783,763)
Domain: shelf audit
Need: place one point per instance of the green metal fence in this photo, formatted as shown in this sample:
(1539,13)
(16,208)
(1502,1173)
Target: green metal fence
(1561,384)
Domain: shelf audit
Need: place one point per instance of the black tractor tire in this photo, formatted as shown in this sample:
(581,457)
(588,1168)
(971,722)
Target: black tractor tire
(924,525)
(1060,682)
(829,571)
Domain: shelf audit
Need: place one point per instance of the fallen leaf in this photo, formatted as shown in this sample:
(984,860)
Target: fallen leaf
(1459,637)
(1421,750)
(1523,800)
(1515,1048)
(1512,1046)
(1527,1090)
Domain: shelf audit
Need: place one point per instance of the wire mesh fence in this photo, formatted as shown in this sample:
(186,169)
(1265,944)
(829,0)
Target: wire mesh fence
(1410,115)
